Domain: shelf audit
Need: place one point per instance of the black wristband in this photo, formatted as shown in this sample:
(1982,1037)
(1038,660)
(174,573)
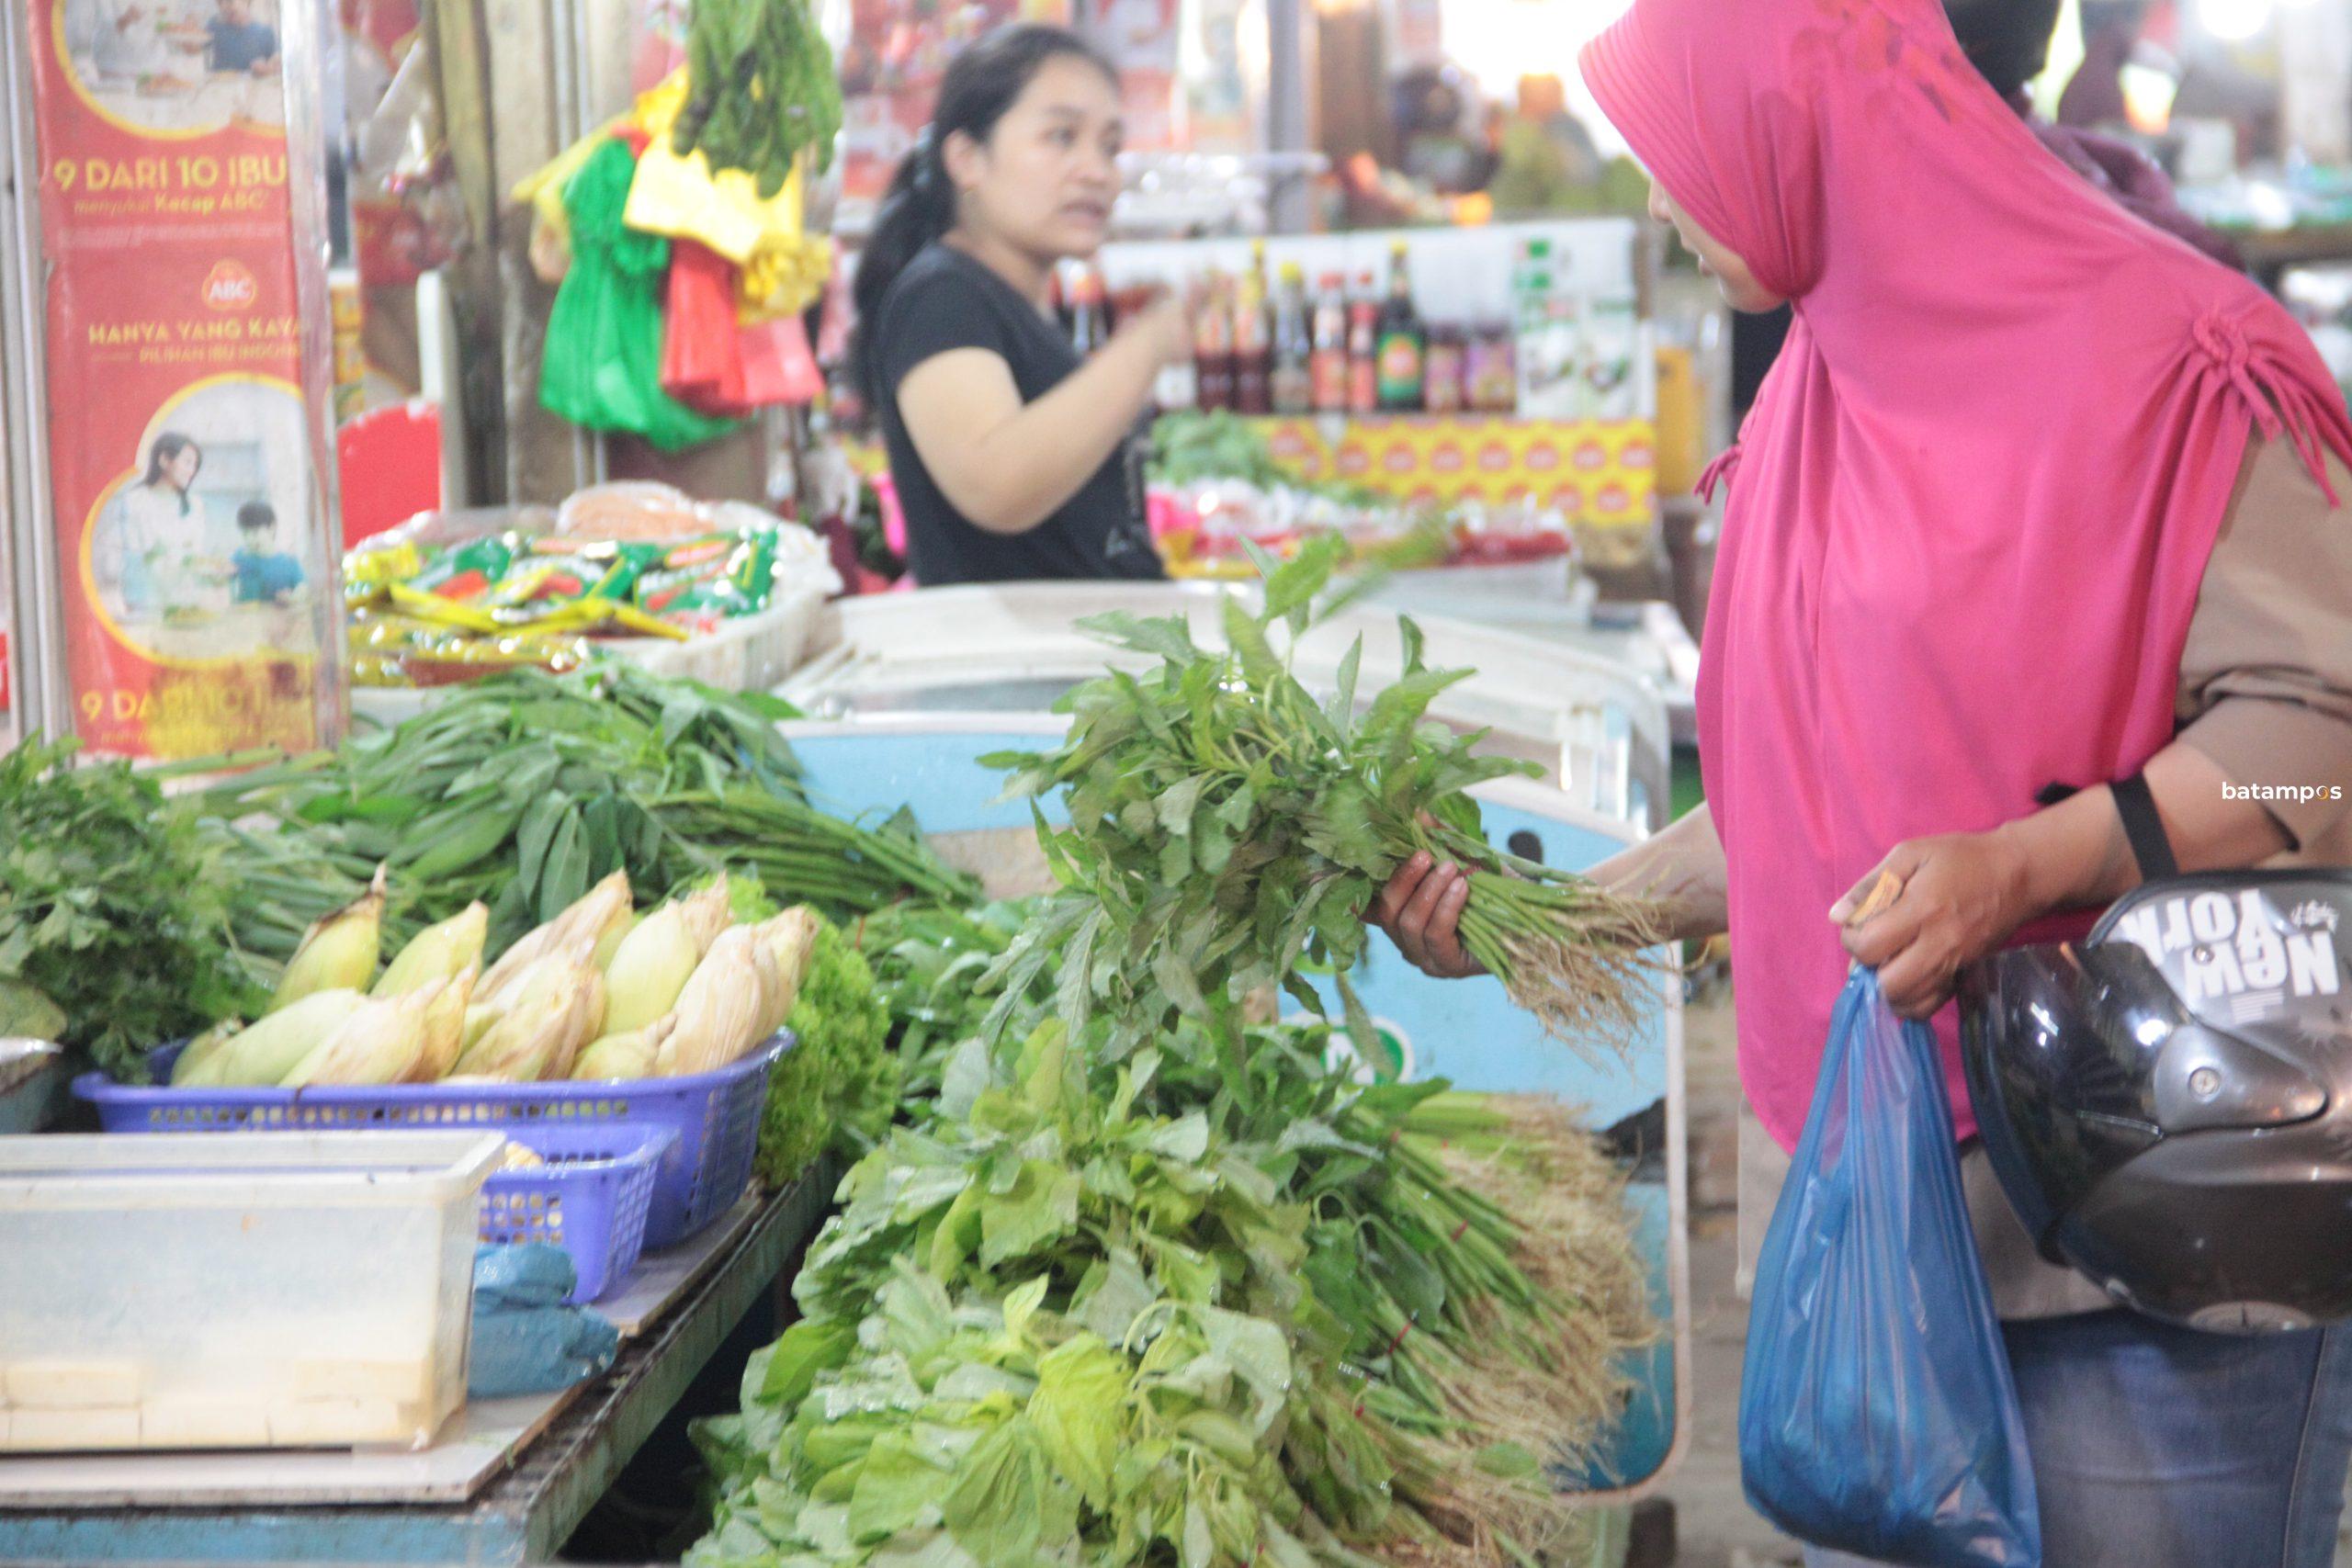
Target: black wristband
(2143,828)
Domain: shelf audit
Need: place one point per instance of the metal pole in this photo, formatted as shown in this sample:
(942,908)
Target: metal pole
(586,115)
(42,692)
(15,717)
(1289,128)
(12,678)
(16,612)
(303,23)
(570,75)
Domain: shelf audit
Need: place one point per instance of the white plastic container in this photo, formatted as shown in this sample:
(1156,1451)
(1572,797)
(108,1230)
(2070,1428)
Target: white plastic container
(281,1290)
(751,653)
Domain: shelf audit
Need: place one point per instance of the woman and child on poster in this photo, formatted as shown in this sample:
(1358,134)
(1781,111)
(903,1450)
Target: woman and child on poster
(167,570)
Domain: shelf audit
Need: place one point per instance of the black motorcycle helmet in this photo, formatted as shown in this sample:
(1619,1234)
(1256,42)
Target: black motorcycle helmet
(2168,1103)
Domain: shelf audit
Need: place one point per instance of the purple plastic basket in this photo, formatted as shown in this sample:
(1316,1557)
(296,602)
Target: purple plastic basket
(590,1198)
(716,1116)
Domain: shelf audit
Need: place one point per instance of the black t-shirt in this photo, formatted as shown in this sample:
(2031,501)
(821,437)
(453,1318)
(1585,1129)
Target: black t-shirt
(943,300)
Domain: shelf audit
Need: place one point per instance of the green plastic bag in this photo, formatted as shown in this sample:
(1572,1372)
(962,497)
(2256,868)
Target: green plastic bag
(602,365)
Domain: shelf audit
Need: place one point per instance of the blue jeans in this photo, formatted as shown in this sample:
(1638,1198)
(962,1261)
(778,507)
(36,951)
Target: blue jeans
(2156,1447)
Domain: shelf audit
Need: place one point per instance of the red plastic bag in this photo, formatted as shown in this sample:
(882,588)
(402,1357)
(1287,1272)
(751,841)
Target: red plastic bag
(702,355)
(777,366)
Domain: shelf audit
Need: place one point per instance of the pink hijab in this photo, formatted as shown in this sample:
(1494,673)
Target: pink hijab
(1975,497)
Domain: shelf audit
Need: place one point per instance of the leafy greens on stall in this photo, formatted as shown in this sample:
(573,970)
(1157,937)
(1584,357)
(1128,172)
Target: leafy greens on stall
(1148,1283)
(1104,1314)
(114,922)
(523,790)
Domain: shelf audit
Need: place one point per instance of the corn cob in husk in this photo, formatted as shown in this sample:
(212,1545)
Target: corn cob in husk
(591,918)
(649,968)
(380,1042)
(261,1054)
(441,952)
(720,1013)
(339,952)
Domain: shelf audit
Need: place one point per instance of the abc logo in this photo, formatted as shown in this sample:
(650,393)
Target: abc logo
(230,286)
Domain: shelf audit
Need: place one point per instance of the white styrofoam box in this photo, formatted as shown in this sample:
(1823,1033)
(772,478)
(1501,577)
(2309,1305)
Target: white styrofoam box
(750,653)
(1459,275)
(747,654)
(280,1289)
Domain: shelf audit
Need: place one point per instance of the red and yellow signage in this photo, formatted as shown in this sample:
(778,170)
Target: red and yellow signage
(183,464)
(1596,474)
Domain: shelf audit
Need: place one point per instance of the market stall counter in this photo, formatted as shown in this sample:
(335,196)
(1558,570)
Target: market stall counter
(508,1482)
(904,777)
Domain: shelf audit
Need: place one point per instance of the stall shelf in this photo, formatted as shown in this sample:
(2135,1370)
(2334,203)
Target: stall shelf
(509,1486)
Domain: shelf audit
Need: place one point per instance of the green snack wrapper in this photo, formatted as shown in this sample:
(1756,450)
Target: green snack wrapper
(467,572)
(716,578)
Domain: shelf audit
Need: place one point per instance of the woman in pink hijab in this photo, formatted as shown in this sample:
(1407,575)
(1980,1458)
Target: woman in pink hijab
(2035,498)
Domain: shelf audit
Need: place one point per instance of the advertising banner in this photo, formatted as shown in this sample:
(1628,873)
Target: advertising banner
(198,595)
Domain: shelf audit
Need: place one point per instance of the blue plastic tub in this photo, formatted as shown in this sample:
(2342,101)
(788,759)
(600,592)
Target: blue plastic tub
(590,1197)
(715,1115)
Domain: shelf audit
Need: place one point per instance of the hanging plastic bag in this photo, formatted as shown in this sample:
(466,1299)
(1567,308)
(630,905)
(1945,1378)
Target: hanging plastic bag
(777,366)
(681,198)
(702,358)
(602,365)
(1877,1415)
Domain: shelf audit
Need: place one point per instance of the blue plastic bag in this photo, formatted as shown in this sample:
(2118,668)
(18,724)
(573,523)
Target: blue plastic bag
(1876,1414)
(525,1339)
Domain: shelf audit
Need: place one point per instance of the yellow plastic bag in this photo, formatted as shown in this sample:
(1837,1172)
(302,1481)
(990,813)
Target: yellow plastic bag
(654,112)
(677,196)
(657,108)
(681,198)
(783,278)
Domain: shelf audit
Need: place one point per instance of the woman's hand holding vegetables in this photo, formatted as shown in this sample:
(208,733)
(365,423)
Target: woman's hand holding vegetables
(1421,910)
(1961,896)
(1681,871)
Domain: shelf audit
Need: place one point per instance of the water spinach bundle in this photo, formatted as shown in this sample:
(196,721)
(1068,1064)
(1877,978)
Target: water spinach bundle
(1225,826)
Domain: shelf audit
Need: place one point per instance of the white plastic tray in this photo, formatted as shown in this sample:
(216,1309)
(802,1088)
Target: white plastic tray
(750,654)
(191,1292)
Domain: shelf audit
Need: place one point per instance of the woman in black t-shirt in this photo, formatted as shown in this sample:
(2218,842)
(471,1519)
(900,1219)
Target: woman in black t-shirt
(1012,458)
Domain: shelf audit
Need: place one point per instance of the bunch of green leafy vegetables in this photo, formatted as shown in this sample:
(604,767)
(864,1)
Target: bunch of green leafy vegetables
(1110,1314)
(1226,826)
(1421,1266)
(114,924)
(928,961)
(1144,1283)
(523,790)
(837,1089)
(1020,1346)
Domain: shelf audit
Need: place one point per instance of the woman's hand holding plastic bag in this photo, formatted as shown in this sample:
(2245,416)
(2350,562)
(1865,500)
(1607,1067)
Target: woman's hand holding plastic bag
(1877,1415)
